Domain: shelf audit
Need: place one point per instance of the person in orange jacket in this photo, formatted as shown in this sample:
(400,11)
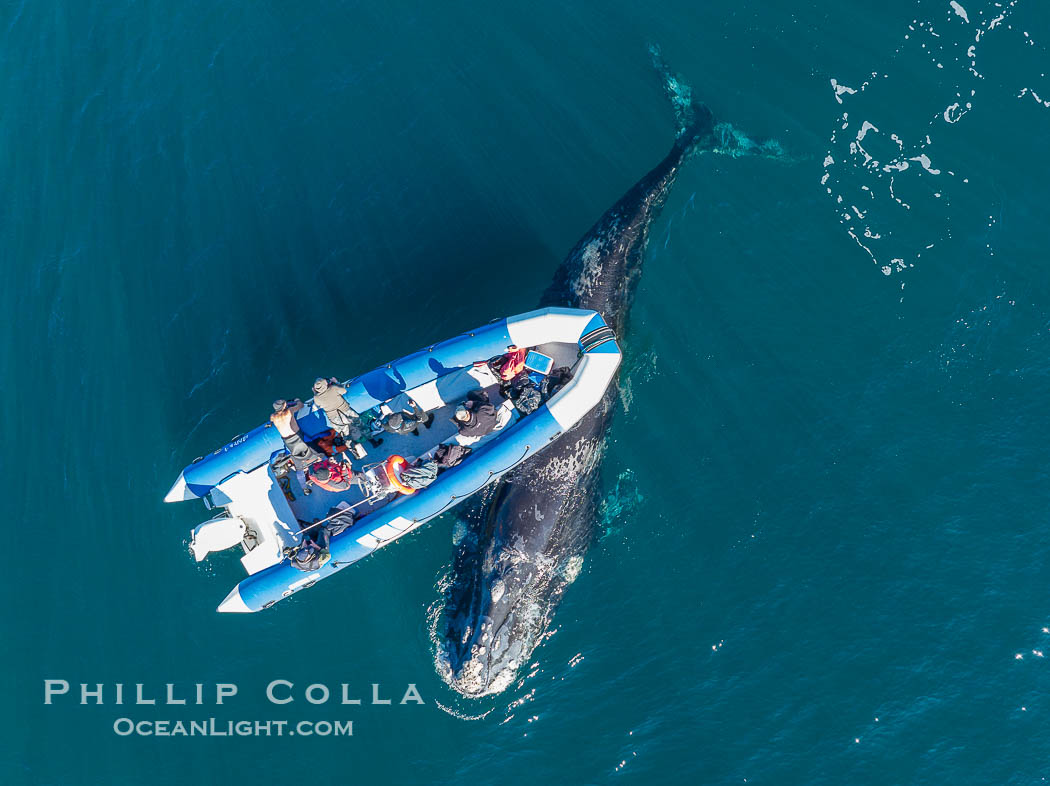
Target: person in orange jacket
(332,475)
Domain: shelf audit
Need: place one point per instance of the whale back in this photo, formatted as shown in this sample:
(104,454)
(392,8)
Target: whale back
(517,558)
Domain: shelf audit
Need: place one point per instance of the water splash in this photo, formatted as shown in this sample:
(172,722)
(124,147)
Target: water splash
(619,506)
(735,143)
(462,715)
(679,93)
(882,170)
(728,140)
(637,368)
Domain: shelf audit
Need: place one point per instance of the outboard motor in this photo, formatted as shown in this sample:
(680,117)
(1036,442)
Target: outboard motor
(217,535)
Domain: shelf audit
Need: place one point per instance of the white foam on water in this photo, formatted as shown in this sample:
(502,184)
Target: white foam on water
(892,179)
(1038,99)
(924,160)
(953,113)
(462,715)
(866,126)
(573,568)
(841,90)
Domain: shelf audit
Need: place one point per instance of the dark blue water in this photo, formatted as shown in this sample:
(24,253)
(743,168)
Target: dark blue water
(822,552)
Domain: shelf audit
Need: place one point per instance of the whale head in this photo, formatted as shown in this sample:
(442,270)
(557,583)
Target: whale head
(486,645)
(513,563)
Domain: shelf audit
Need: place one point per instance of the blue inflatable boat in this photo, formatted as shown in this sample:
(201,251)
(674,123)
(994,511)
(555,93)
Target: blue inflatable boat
(539,372)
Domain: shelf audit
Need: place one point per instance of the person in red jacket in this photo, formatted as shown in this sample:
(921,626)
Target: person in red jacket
(511,364)
(331,475)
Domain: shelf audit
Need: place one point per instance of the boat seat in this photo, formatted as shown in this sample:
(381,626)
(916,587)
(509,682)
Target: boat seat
(216,535)
(447,389)
(375,481)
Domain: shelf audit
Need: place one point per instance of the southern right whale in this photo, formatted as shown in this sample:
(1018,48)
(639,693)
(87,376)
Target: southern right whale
(518,556)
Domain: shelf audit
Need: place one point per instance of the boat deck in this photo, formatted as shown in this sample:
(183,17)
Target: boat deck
(318,503)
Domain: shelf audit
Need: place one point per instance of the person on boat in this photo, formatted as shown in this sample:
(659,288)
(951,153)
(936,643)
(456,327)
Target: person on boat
(332,475)
(405,422)
(475,417)
(511,364)
(283,417)
(329,396)
(310,554)
(284,420)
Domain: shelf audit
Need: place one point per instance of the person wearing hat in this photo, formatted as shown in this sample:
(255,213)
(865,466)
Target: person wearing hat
(308,555)
(407,423)
(283,419)
(474,419)
(329,396)
(334,476)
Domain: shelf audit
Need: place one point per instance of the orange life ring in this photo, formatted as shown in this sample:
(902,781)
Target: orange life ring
(393,466)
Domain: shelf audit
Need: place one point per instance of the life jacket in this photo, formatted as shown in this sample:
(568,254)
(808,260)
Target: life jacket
(338,478)
(330,443)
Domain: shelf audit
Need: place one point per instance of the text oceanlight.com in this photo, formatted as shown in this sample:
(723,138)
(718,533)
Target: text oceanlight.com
(217,728)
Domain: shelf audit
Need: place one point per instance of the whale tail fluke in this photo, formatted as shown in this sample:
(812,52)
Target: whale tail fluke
(695,123)
(697,130)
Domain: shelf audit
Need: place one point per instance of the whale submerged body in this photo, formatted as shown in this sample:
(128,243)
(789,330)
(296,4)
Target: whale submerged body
(514,563)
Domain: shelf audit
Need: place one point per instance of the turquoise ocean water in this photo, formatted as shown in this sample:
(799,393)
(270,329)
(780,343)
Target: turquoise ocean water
(822,553)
